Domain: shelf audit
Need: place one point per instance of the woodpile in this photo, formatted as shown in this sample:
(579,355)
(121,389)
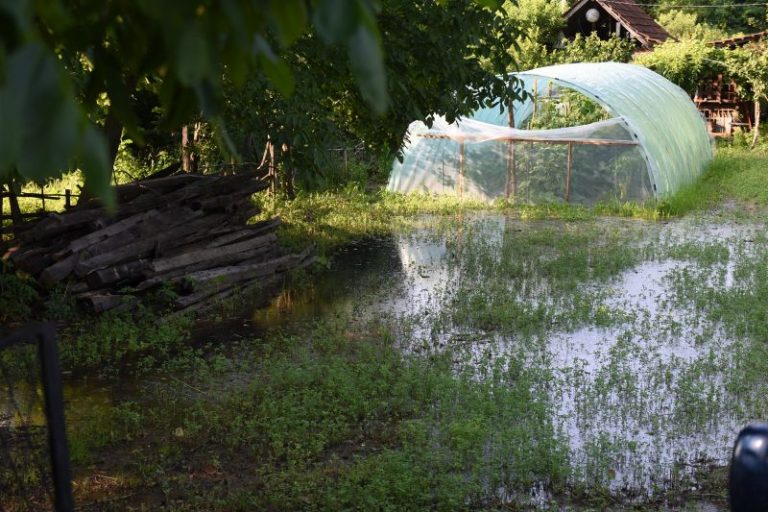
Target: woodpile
(189,232)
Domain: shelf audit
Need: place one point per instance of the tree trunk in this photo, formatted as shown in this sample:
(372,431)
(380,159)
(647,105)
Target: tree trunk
(13,199)
(756,129)
(290,189)
(190,159)
(113,129)
(272,169)
(186,163)
(194,157)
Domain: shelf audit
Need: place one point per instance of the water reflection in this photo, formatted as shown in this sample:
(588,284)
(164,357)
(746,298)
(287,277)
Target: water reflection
(636,373)
(373,264)
(640,401)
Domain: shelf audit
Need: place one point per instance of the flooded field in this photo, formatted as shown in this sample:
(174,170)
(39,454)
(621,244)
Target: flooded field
(541,364)
(637,336)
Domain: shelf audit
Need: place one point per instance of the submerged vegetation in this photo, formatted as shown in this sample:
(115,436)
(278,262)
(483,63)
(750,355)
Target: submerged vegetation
(474,358)
(518,362)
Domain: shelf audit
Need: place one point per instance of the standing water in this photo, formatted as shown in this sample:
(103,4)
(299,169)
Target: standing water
(643,341)
(640,364)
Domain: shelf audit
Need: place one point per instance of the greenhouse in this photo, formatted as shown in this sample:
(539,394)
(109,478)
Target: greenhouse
(584,133)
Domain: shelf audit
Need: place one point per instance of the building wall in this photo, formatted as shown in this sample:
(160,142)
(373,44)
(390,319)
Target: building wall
(605,26)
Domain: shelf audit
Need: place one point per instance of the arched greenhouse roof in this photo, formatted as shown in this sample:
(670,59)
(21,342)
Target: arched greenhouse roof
(658,114)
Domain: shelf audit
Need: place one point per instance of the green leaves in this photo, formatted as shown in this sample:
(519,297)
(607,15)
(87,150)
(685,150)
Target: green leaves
(16,11)
(95,164)
(352,22)
(290,17)
(489,4)
(682,62)
(36,113)
(367,62)
(276,70)
(335,20)
(193,57)
(41,131)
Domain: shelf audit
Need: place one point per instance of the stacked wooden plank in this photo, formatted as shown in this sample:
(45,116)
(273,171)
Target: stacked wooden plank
(189,232)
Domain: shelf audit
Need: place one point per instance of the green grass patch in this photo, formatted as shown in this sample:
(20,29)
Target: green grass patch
(736,174)
(135,341)
(333,219)
(330,419)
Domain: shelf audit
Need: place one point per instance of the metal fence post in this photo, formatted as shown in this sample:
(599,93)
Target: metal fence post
(54,412)
(50,372)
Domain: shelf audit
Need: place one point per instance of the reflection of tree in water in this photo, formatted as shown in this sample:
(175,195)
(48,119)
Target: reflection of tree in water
(360,269)
(25,481)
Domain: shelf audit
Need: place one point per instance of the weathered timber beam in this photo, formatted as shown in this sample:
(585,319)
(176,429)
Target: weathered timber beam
(57,223)
(59,270)
(124,273)
(212,256)
(144,247)
(97,236)
(248,231)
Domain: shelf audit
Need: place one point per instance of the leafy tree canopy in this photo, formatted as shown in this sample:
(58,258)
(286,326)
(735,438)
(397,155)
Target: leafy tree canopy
(741,18)
(686,25)
(749,67)
(432,53)
(683,62)
(593,49)
(61,62)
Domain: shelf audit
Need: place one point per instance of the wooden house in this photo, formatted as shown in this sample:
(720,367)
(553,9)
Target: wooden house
(624,18)
(723,108)
(718,99)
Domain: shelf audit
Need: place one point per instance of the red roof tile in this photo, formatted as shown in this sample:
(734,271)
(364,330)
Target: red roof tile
(738,40)
(633,17)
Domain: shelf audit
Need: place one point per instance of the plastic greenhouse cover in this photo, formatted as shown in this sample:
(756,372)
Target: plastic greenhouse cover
(660,115)
(645,107)
(585,164)
(472,131)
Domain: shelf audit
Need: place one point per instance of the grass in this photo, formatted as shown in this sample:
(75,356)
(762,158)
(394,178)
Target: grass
(735,175)
(535,365)
(734,180)
(475,404)
(335,419)
(738,175)
(72,181)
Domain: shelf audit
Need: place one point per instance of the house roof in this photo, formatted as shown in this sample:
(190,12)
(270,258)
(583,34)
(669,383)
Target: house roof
(733,42)
(638,22)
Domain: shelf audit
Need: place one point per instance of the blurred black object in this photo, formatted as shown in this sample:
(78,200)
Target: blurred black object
(749,470)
